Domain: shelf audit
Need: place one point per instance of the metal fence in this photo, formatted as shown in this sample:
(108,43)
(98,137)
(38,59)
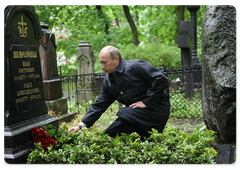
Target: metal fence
(184,85)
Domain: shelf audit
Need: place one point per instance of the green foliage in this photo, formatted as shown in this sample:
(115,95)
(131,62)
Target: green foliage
(74,23)
(154,53)
(68,69)
(185,108)
(90,146)
(155,22)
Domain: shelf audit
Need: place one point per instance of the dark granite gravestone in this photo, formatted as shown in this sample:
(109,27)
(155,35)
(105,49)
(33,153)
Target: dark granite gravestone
(185,42)
(225,154)
(219,71)
(23,88)
(193,18)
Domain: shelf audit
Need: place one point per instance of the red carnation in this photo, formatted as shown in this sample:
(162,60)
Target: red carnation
(43,141)
(52,141)
(36,139)
(47,137)
(35,130)
(45,147)
(45,132)
(41,133)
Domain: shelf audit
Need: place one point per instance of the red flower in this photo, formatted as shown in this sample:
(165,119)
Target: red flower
(35,130)
(52,141)
(47,137)
(36,139)
(43,141)
(45,147)
(41,133)
(45,132)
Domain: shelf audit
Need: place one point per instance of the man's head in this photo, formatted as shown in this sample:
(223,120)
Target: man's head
(110,58)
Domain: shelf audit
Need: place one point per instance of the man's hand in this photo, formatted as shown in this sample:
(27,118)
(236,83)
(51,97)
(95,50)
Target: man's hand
(138,104)
(76,128)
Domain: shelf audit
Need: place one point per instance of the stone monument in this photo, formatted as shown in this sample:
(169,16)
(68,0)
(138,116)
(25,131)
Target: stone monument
(24,106)
(86,83)
(185,42)
(219,71)
(51,83)
(193,18)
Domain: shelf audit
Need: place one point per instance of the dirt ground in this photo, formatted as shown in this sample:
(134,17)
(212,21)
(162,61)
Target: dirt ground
(188,125)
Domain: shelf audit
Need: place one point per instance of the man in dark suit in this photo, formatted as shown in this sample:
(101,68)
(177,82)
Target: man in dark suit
(141,87)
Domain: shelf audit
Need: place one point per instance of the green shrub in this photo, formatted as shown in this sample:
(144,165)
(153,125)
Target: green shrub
(90,146)
(154,53)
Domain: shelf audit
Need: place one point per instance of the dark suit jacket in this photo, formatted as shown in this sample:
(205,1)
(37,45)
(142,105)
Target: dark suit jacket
(134,80)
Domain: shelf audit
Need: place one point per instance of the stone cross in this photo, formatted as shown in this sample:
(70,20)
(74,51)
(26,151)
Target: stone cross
(193,18)
(185,42)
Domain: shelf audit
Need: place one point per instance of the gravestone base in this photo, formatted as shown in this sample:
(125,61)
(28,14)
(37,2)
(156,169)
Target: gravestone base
(18,155)
(85,95)
(52,89)
(225,154)
(18,139)
(68,117)
(58,106)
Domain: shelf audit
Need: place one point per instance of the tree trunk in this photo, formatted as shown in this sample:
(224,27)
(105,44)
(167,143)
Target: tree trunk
(101,15)
(117,22)
(132,25)
(180,17)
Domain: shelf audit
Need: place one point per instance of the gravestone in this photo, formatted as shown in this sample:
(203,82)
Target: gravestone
(51,83)
(193,19)
(185,42)
(195,60)
(219,71)
(86,82)
(23,88)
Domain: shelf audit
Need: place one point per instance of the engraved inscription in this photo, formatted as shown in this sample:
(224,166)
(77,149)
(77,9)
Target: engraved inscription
(25,54)
(26,75)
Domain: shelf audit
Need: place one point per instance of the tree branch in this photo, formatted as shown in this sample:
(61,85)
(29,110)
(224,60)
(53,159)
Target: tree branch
(57,13)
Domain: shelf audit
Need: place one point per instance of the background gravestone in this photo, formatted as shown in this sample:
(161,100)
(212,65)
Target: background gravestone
(185,42)
(219,71)
(86,82)
(23,88)
(47,49)
(52,85)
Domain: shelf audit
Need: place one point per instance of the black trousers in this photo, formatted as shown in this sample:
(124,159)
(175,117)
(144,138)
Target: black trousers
(121,125)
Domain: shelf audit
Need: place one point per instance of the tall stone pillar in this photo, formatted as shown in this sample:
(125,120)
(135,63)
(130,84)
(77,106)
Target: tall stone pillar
(219,71)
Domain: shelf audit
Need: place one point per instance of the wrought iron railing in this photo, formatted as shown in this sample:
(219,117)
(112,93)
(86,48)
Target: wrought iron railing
(183,83)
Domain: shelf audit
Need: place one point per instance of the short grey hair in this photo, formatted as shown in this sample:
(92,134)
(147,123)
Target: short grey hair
(112,52)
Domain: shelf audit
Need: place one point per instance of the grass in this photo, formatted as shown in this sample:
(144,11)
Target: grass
(187,124)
